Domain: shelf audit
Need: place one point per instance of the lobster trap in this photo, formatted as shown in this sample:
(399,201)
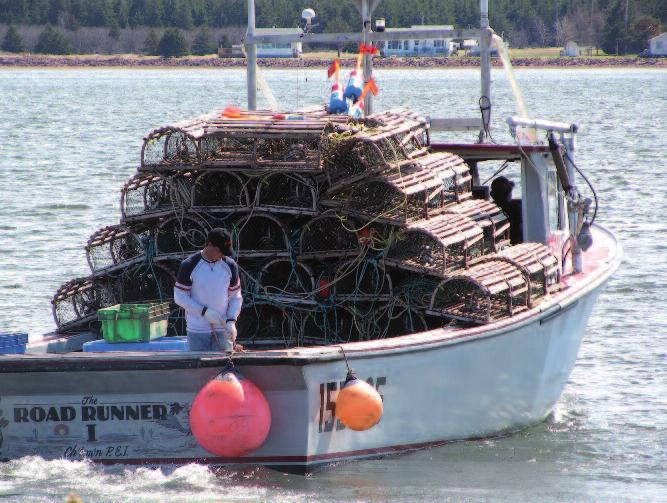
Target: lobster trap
(268,326)
(327,236)
(181,235)
(416,292)
(490,218)
(487,292)
(221,191)
(75,304)
(286,193)
(147,195)
(538,263)
(361,280)
(175,146)
(400,195)
(362,148)
(286,281)
(260,235)
(113,246)
(436,246)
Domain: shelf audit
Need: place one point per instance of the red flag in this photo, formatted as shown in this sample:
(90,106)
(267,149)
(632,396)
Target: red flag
(333,68)
(368,49)
(372,85)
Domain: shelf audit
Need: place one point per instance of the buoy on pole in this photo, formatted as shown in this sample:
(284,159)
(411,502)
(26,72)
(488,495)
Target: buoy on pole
(230,416)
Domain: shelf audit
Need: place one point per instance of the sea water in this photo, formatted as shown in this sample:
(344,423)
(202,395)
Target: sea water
(70,138)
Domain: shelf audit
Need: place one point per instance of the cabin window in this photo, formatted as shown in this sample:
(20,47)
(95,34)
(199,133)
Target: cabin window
(553,200)
(438,43)
(406,45)
(394,44)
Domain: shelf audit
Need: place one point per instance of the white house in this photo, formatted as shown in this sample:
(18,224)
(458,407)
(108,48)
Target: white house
(288,50)
(416,47)
(572,49)
(657,46)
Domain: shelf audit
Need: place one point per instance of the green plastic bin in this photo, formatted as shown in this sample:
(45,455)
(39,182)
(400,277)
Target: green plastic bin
(134,322)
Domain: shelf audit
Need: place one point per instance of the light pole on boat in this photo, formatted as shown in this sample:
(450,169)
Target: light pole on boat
(485,64)
(251,55)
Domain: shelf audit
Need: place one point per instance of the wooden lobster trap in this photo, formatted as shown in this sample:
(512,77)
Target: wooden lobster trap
(422,189)
(181,235)
(174,146)
(286,281)
(260,140)
(266,326)
(221,191)
(333,324)
(487,292)
(416,292)
(115,246)
(490,218)
(148,195)
(358,149)
(436,246)
(360,281)
(75,304)
(260,235)
(286,193)
(538,263)
(329,236)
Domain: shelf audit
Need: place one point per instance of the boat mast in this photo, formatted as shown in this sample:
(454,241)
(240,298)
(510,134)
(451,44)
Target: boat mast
(251,55)
(485,64)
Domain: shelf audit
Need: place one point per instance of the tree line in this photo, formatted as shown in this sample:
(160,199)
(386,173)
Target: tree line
(614,25)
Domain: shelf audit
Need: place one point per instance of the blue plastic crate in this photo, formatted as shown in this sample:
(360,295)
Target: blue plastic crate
(8,339)
(18,349)
(163,344)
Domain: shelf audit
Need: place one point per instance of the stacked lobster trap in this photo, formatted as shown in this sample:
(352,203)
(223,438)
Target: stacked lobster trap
(344,230)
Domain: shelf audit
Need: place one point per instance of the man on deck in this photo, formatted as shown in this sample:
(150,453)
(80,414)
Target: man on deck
(208,287)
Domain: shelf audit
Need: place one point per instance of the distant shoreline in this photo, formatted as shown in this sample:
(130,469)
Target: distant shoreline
(110,61)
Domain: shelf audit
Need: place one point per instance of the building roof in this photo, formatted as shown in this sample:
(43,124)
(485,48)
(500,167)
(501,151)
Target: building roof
(662,35)
(416,27)
(277,31)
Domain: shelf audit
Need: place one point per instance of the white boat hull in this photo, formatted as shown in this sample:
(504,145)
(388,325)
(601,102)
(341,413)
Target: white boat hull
(436,386)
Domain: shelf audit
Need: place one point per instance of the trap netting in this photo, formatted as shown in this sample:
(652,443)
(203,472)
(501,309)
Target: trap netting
(116,245)
(490,218)
(286,193)
(260,235)
(361,280)
(181,234)
(221,190)
(328,236)
(176,145)
(268,326)
(538,262)
(75,304)
(484,293)
(436,246)
(415,292)
(286,281)
(362,148)
(147,195)
(421,189)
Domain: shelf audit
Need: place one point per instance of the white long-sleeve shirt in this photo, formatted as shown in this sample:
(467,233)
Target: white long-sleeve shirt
(216,285)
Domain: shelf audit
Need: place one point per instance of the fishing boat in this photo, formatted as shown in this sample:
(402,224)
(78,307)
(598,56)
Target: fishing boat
(381,255)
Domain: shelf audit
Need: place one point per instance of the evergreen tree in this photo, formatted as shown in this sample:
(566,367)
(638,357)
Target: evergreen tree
(203,43)
(13,41)
(151,43)
(114,30)
(172,44)
(53,41)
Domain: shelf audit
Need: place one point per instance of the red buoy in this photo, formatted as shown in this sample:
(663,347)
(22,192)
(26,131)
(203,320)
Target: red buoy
(230,416)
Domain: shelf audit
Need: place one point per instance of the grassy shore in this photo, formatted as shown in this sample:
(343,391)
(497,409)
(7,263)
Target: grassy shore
(520,58)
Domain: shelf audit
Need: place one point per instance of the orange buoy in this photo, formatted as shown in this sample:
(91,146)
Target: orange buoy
(230,416)
(358,405)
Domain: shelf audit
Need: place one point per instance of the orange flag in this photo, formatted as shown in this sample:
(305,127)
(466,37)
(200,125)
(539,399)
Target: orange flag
(333,68)
(370,86)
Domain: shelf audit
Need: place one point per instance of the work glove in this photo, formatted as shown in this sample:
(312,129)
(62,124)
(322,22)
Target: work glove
(230,330)
(213,316)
